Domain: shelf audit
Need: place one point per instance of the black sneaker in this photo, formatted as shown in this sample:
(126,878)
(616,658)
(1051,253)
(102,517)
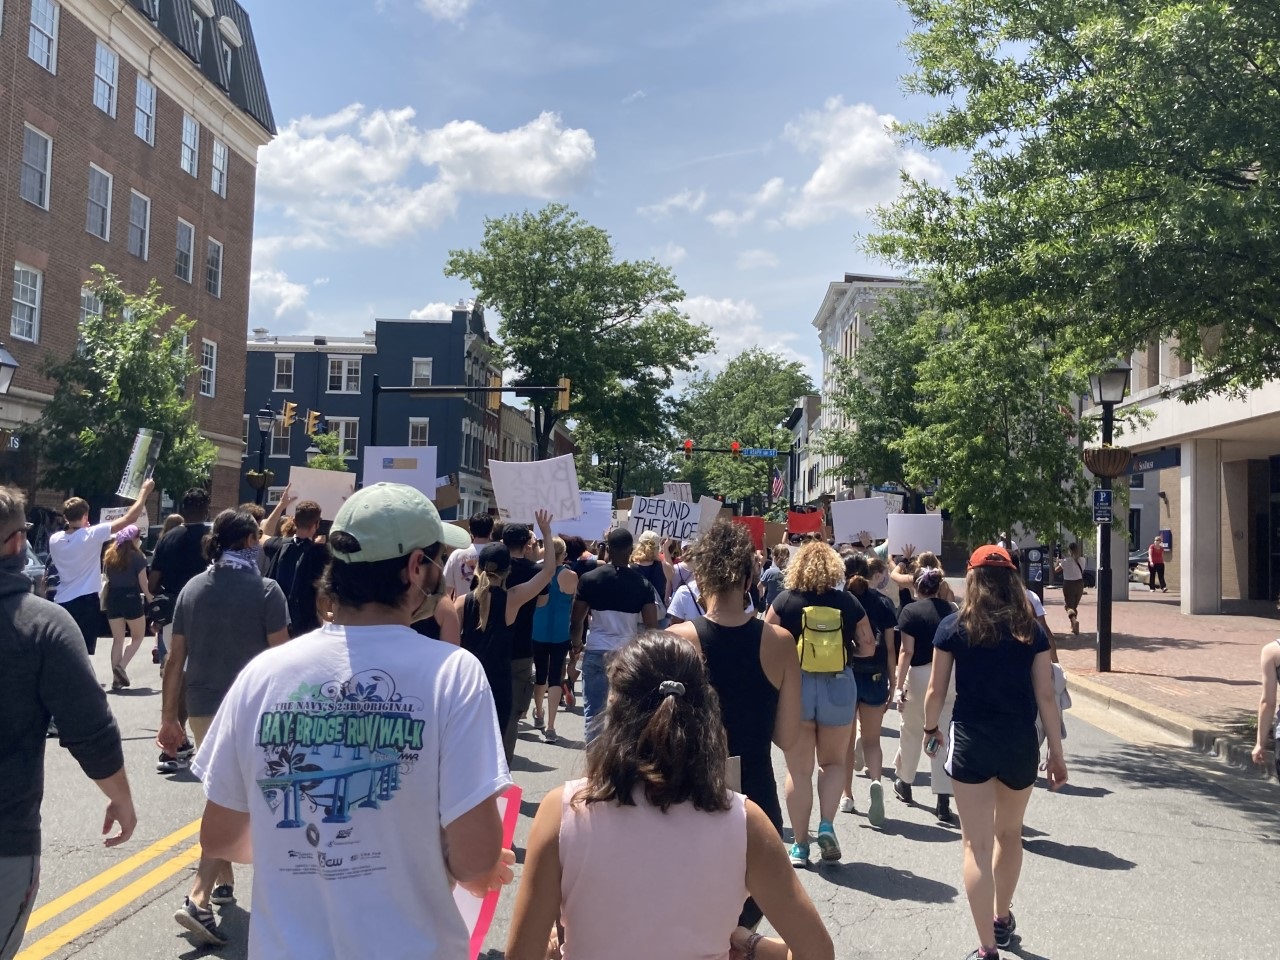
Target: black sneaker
(943,810)
(187,750)
(981,954)
(168,764)
(1004,930)
(902,790)
(200,923)
(223,893)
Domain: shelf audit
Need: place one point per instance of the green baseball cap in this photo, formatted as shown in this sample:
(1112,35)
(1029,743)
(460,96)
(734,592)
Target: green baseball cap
(390,520)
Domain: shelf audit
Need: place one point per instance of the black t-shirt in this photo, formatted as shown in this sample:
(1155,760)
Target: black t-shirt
(883,617)
(584,564)
(296,565)
(993,684)
(179,556)
(522,571)
(920,621)
(789,607)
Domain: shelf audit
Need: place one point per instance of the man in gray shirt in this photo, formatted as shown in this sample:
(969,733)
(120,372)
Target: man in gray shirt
(46,674)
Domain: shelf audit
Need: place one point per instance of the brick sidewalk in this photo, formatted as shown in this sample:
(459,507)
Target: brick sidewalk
(1204,667)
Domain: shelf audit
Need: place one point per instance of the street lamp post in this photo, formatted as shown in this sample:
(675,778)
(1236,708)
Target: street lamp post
(8,367)
(266,421)
(1108,389)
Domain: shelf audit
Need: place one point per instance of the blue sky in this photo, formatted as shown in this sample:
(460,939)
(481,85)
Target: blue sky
(739,142)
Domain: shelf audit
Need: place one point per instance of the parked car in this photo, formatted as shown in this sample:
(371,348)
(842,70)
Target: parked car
(1138,570)
(37,573)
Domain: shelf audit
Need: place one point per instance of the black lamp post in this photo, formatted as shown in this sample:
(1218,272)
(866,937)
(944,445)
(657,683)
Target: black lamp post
(1108,389)
(266,422)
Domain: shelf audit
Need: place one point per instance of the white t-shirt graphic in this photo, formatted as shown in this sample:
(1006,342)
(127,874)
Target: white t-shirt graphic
(351,748)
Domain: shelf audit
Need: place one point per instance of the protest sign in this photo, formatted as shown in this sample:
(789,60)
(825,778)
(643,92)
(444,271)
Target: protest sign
(755,527)
(678,491)
(804,522)
(142,463)
(412,466)
(478,914)
(328,488)
(851,517)
(596,519)
(922,530)
(709,511)
(524,488)
(621,518)
(667,518)
(774,534)
(112,514)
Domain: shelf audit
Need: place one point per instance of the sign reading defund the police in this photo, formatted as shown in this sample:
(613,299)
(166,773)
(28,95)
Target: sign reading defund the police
(672,518)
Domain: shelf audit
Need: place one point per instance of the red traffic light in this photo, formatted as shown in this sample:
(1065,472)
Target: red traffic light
(688,449)
(736,449)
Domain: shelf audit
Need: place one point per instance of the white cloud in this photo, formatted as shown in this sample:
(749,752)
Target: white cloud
(858,162)
(730,221)
(366,176)
(687,200)
(671,254)
(433,312)
(633,96)
(445,9)
(272,292)
(738,325)
(757,260)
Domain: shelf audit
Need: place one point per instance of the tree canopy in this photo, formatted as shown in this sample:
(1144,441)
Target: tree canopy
(570,308)
(1121,185)
(130,371)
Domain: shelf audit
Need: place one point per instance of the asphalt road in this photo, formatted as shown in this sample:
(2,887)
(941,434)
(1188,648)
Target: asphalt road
(1149,851)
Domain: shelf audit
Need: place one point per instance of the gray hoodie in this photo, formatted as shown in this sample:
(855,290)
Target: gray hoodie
(46,673)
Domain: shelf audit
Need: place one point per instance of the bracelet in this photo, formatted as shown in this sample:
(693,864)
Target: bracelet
(752,942)
(931,731)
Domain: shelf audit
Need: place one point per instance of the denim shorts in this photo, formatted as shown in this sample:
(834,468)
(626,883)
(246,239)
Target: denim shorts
(828,699)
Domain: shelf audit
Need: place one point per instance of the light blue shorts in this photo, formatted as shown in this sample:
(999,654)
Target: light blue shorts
(828,699)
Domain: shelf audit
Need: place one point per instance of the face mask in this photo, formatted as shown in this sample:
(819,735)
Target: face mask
(427,607)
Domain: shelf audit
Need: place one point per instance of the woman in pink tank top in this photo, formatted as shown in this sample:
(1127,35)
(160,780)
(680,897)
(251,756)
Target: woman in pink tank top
(652,839)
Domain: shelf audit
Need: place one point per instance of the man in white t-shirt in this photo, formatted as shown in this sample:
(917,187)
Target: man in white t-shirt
(358,766)
(77,553)
(460,567)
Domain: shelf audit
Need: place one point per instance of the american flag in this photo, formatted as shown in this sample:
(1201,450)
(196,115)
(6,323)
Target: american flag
(778,486)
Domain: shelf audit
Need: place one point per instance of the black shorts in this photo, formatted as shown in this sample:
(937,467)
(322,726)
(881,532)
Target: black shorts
(124,603)
(981,752)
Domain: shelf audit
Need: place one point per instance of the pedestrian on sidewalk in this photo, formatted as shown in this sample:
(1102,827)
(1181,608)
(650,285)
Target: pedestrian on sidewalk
(751,665)
(551,641)
(125,569)
(395,735)
(599,856)
(222,619)
(1004,677)
(1155,565)
(918,624)
(48,675)
(1072,584)
(1268,719)
(830,629)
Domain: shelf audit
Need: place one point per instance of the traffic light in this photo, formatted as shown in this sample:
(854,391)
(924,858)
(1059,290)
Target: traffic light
(289,414)
(493,401)
(688,449)
(736,449)
(562,396)
(313,422)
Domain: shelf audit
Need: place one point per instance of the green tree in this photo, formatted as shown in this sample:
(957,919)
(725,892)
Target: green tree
(130,371)
(1122,176)
(330,456)
(622,465)
(746,402)
(569,308)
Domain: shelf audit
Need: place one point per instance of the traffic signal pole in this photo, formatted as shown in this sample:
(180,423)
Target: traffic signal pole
(561,390)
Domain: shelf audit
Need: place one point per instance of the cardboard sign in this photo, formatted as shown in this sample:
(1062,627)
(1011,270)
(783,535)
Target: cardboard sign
(413,466)
(922,530)
(478,914)
(524,488)
(755,527)
(678,491)
(112,514)
(851,517)
(329,488)
(446,497)
(774,534)
(804,522)
(142,463)
(596,519)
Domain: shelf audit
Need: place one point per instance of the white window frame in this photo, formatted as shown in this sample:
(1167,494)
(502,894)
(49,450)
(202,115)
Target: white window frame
(425,424)
(42,38)
(46,175)
(220,171)
(345,373)
(90,303)
(34,307)
(347,430)
(278,373)
(209,366)
(106,234)
(244,437)
(281,433)
(106,78)
(227,60)
(145,225)
(273,495)
(144,111)
(190,252)
(212,280)
(197,22)
(413,372)
(189,158)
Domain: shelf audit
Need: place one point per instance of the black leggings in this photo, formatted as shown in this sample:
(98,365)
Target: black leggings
(86,611)
(548,663)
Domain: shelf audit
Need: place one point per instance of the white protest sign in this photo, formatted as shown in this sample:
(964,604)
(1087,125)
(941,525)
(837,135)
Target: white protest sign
(672,518)
(329,488)
(621,518)
(596,519)
(922,530)
(708,513)
(111,514)
(142,463)
(522,489)
(412,466)
(678,491)
(851,517)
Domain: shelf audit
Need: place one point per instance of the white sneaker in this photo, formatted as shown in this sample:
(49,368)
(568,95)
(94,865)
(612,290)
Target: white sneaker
(846,805)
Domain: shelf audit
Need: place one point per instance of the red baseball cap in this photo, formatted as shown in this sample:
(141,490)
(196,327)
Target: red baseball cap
(992,556)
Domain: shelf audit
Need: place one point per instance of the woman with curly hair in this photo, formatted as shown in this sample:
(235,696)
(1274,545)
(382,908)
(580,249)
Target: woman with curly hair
(830,629)
(599,855)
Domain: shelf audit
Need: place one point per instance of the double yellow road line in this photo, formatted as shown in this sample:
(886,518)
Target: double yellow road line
(82,923)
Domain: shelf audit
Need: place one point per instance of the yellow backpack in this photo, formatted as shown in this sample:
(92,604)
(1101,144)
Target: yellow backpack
(821,643)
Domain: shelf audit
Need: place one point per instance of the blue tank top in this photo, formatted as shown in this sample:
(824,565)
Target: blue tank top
(551,620)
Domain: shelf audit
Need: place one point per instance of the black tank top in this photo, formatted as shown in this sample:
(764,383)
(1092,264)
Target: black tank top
(492,645)
(429,627)
(748,701)
(656,575)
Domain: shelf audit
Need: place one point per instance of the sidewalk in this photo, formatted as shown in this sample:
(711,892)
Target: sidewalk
(1197,676)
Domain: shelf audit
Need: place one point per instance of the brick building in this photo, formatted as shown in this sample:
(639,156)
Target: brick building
(131,136)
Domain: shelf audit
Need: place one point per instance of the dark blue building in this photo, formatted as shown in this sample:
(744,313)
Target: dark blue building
(334,376)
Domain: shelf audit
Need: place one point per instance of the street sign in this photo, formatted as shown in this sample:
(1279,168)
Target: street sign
(764,452)
(1102,506)
(1102,515)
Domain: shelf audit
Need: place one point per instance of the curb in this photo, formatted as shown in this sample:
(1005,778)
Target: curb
(1230,748)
